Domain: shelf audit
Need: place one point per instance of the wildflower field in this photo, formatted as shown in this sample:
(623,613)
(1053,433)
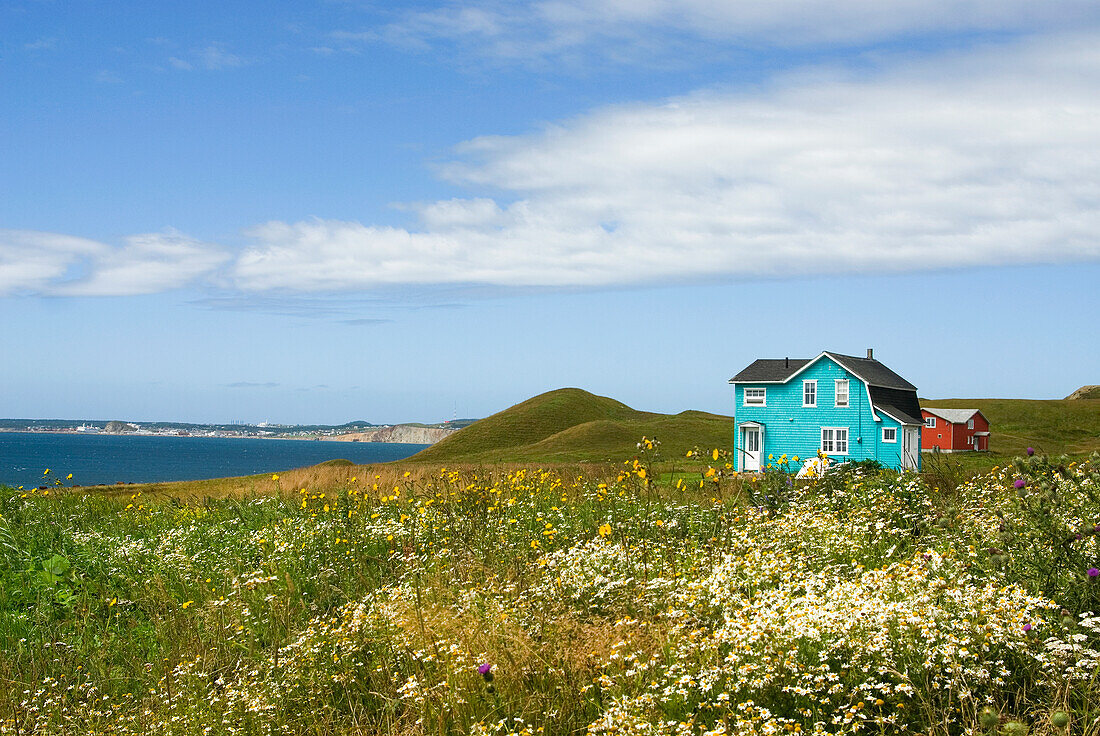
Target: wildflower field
(500,601)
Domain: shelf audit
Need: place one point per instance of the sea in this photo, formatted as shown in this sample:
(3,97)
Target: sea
(100,459)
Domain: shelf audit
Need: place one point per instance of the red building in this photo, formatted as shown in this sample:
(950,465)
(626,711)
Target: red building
(954,430)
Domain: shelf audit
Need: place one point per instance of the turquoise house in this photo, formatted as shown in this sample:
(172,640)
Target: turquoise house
(846,407)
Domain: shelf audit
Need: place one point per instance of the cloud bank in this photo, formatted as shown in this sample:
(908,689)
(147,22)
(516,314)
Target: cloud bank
(626,29)
(987,158)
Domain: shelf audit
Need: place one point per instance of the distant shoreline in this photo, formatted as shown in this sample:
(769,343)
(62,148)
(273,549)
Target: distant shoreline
(215,436)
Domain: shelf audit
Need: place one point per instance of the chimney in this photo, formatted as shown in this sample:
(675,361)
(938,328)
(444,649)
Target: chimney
(786,362)
(870,353)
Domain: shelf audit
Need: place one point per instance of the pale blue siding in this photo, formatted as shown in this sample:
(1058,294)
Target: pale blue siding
(793,429)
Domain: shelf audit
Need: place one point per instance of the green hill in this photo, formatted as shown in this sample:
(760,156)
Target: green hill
(571,425)
(1070,426)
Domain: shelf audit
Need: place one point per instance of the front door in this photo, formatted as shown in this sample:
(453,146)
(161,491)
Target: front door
(750,448)
(909,457)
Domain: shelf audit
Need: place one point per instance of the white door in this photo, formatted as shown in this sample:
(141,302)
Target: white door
(750,448)
(909,448)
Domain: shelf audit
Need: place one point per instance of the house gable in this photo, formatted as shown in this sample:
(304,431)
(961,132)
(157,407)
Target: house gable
(795,402)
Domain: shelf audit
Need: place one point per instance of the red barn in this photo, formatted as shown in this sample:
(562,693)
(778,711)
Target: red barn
(954,430)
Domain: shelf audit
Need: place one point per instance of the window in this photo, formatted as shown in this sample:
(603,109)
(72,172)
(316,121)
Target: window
(756,396)
(930,422)
(809,393)
(834,440)
(889,434)
(970,423)
(842,392)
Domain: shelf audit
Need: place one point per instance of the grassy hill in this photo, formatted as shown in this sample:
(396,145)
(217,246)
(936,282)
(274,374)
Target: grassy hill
(1070,426)
(571,425)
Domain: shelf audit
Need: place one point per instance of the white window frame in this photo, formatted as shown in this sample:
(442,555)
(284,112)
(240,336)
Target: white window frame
(836,392)
(892,430)
(970,423)
(930,422)
(834,440)
(805,385)
(763,397)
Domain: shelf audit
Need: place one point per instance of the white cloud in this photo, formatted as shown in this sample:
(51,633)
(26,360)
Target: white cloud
(624,28)
(147,264)
(49,263)
(985,159)
(210,58)
(30,261)
(982,159)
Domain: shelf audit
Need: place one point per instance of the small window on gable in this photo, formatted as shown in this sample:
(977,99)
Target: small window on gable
(809,393)
(889,434)
(756,396)
(930,422)
(970,423)
(842,392)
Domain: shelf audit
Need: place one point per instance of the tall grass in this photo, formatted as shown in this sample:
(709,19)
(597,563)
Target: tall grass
(517,600)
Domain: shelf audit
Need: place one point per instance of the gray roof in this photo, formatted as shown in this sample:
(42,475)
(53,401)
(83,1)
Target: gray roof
(770,370)
(955,416)
(778,370)
(899,403)
(873,372)
(889,392)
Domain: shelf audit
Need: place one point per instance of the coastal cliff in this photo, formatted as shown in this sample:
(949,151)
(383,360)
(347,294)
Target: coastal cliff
(406,433)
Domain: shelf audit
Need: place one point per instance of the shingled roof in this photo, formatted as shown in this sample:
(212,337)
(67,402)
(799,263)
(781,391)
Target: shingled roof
(779,370)
(770,370)
(889,392)
(873,372)
(955,416)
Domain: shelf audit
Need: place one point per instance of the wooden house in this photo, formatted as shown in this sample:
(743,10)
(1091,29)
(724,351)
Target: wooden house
(954,430)
(846,407)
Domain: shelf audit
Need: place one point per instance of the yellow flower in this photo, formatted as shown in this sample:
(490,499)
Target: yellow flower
(641,472)
(795,458)
(274,476)
(185,604)
(605,530)
(69,476)
(771,456)
(714,454)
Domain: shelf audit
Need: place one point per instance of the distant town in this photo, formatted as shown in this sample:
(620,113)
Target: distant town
(351,431)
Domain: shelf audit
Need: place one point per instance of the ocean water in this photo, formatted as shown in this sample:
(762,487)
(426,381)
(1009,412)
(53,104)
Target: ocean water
(106,458)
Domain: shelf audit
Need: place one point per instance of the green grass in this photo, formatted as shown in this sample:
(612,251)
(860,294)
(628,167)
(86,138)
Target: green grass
(571,425)
(1052,427)
(614,604)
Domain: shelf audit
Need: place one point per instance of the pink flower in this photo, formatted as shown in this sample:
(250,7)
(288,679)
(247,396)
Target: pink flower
(1020,483)
(1093,573)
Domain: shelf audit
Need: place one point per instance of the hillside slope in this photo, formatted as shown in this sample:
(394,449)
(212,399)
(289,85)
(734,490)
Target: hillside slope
(574,425)
(408,433)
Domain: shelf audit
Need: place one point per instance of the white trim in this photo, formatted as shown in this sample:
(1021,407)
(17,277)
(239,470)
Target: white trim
(739,461)
(806,383)
(835,440)
(745,397)
(890,429)
(847,393)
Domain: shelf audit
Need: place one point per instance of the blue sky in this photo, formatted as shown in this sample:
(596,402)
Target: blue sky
(318,212)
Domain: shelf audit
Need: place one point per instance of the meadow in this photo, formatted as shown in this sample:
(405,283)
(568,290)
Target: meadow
(418,599)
